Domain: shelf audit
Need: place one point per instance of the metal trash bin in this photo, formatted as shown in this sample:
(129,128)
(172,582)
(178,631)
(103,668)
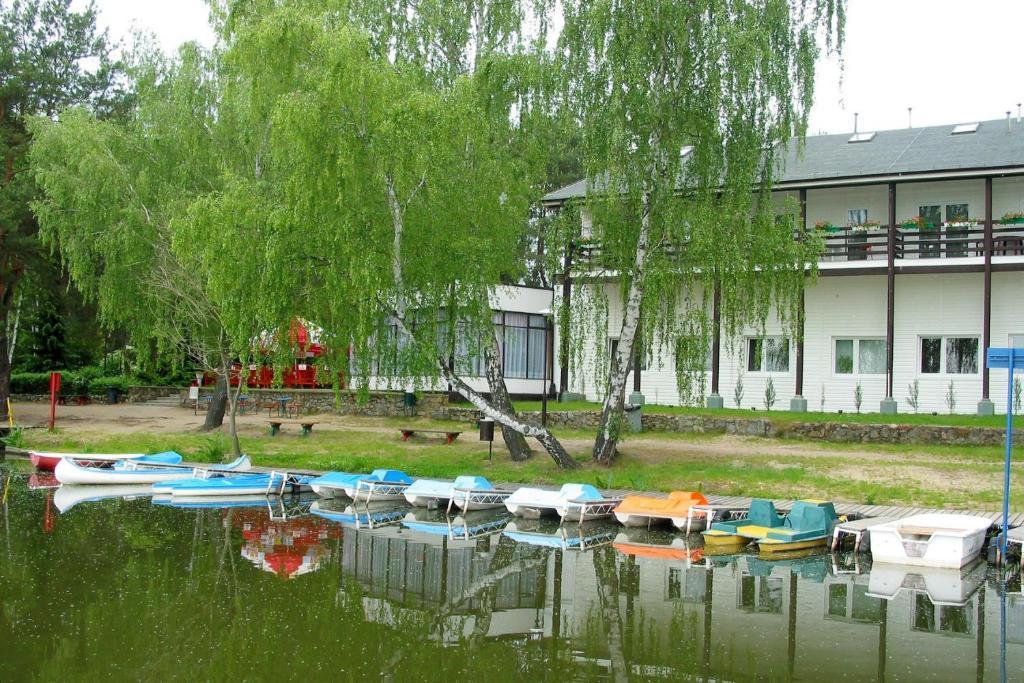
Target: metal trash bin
(486,429)
(409,403)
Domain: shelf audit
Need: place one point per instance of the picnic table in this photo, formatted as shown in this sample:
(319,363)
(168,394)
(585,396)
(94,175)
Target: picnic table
(279,403)
(450,434)
(307,426)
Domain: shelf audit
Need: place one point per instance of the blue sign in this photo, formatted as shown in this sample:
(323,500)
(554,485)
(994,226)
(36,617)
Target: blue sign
(1005,359)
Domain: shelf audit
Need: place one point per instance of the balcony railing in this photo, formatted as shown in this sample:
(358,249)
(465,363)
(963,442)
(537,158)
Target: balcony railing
(858,244)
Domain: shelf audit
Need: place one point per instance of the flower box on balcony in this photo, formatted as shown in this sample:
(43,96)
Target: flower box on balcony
(1012,218)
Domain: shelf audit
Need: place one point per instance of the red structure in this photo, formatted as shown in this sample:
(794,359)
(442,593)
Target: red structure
(284,548)
(301,374)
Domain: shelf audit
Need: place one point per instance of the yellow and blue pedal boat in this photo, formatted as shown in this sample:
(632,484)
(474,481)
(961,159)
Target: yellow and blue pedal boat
(809,524)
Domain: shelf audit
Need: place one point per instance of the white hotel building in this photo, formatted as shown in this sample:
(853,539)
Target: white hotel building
(892,304)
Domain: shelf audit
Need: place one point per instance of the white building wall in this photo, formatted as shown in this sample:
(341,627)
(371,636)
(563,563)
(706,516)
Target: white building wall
(854,307)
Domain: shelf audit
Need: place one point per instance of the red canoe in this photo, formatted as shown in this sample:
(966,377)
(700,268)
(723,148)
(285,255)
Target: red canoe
(48,461)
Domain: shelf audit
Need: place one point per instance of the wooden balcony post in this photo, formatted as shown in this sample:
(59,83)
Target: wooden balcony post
(798,402)
(985,405)
(715,400)
(563,351)
(888,405)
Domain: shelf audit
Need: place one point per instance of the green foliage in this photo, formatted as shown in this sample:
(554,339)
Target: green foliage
(30,383)
(914,395)
(769,394)
(858,397)
(101,384)
(213,449)
(951,397)
(737,391)
(52,56)
(729,84)
(14,439)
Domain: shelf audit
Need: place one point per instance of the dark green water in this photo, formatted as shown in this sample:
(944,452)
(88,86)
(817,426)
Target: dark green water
(131,590)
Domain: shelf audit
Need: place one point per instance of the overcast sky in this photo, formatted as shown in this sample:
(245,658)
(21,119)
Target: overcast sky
(953,61)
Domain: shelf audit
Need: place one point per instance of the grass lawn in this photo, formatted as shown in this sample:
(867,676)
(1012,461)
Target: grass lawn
(784,416)
(920,476)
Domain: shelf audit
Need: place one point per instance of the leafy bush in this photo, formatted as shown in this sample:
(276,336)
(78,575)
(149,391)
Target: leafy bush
(101,384)
(30,383)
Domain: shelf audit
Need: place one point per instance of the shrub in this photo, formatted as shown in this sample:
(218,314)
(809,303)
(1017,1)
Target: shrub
(914,395)
(101,384)
(30,383)
(769,394)
(858,397)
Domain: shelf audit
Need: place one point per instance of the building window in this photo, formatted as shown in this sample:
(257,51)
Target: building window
(768,354)
(857,216)
(1017,341)
(860,357)
(523,338)
(951,355)
(956,213)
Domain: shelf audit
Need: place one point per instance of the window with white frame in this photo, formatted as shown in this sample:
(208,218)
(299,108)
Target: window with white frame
(949,355)
(1017,341)
(767,354)
(855,356)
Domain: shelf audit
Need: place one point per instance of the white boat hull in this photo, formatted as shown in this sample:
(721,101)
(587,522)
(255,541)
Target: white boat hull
(930,540)
(69,472)
(328,491)
(67,497)
(425,501)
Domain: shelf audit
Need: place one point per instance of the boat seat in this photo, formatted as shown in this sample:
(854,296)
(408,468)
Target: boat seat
(763,513)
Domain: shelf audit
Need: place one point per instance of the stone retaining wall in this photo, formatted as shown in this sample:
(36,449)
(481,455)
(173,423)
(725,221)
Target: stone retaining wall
(377,404)
(838,432)
(141,394)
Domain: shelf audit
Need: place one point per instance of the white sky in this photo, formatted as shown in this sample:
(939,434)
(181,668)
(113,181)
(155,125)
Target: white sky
(953,61)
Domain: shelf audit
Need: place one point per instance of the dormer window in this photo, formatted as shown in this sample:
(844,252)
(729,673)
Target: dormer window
(861,137)
(965,129)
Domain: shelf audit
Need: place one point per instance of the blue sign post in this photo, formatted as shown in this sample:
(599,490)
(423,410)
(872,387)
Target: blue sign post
(1012,360)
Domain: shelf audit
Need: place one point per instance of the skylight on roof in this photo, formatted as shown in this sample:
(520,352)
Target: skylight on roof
(861,137)
(965,128)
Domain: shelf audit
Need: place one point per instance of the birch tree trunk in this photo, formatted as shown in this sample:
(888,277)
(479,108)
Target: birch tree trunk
(516,442)
(218,406)
(236,448)
(608,598)
(545,437)
(614,401)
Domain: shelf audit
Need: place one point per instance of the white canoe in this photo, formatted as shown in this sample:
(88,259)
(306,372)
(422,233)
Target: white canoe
(67,497)
(70,472)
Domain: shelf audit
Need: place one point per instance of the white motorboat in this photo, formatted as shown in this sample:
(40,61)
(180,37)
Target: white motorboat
(930,540)
(70,472)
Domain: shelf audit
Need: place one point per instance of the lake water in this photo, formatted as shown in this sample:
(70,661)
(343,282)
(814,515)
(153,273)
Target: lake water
(132,589)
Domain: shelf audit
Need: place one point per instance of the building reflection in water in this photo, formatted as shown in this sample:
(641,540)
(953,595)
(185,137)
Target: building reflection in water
(635,601)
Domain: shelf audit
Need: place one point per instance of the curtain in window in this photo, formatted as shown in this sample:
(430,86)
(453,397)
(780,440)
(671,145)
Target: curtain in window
(871,356)
(962,355)
(776,354)
(535,361)
(515,345)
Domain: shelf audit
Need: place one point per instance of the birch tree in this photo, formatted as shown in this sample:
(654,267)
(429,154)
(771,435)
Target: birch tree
(684,108)
(406,192)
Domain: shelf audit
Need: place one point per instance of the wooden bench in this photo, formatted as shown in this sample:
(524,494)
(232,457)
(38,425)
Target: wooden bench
(450,434)
(275,426)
